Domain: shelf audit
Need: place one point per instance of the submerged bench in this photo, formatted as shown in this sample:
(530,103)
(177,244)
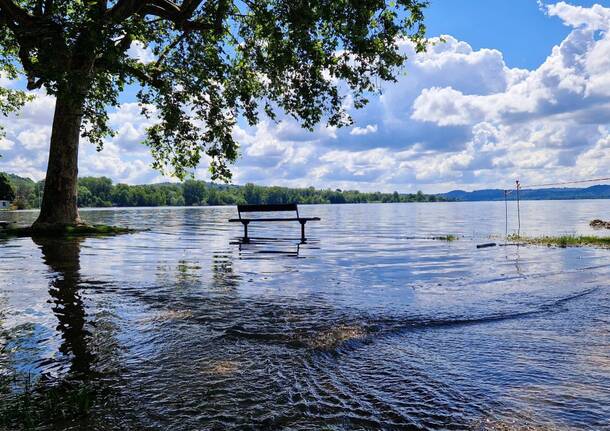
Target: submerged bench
(270,208)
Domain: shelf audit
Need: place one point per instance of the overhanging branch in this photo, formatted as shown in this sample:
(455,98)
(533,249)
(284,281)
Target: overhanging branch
(180,15)
(15,13)
(132,70)
(124,9)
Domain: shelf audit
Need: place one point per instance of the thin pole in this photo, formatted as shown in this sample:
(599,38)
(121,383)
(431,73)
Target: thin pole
(505,214)
(518,211)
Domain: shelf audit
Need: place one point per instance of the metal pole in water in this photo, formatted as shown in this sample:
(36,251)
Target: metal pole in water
(518,211)
(505,213)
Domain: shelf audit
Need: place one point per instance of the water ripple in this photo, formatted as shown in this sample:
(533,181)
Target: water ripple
(371,324)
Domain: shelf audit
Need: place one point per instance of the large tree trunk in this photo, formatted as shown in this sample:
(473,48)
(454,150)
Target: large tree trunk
(58,206)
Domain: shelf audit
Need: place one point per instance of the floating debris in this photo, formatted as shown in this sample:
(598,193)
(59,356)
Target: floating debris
(599,224)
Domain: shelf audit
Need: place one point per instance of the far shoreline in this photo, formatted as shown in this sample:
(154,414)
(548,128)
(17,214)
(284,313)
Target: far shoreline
(164,207)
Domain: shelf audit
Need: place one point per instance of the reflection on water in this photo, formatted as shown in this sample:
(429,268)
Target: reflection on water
(63,259)
(368,325)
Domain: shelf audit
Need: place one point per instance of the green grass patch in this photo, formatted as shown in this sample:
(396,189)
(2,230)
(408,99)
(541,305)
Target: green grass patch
(64,231)
(446,238)
(564,241)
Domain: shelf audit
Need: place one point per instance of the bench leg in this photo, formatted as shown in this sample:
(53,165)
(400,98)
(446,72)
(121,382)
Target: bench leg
(246,239)
(303,239)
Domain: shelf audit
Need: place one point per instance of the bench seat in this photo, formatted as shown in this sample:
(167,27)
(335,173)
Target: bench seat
(270,208)
(299,219)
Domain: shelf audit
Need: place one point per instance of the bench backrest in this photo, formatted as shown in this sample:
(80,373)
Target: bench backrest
(267,208)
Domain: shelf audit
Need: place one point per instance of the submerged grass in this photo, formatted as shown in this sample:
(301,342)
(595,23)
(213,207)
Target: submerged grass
(64,231)
(564,241)
(448,237)
(32,406)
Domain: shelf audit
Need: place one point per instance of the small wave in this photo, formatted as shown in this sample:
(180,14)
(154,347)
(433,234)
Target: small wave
(328,338)
(167,315)
(341,333)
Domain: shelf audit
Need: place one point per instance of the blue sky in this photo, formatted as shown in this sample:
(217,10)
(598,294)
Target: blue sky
(518,90)
(515,27)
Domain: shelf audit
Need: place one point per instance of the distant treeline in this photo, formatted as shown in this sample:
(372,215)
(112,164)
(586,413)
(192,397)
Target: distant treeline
(101,192)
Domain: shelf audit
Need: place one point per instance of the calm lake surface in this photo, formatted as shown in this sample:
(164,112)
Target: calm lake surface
(369,325)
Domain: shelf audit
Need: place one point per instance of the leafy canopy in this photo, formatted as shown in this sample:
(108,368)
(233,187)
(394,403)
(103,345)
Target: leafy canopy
(215,61)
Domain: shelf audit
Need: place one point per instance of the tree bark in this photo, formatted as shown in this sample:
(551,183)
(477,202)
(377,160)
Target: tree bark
(59,206)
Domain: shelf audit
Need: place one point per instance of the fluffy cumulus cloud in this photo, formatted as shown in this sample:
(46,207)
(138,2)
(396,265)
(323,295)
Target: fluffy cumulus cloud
(458,117)
(359,131)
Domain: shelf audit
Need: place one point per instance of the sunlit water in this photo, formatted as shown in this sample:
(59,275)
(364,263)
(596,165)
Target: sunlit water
(370,324)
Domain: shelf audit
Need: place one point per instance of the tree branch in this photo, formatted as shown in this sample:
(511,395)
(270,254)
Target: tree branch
(165,9)
(112,66)
(30,69)
(38,8)
(124,9)
(125,43)
(166,5)
(190,6)
(14,12)
(48,7)
(144,77)
(168,49)
(181,21)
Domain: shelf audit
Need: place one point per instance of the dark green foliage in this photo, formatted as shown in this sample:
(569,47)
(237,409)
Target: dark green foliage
(100,192)
(7,192)
(215,62)
(27,192)
(99,188)
(194,193)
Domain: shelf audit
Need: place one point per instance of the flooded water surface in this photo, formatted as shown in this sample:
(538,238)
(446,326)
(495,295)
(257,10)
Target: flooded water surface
(370,324)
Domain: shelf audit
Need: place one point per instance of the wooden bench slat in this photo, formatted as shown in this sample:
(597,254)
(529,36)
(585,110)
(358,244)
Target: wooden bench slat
(233,220)
(266,208)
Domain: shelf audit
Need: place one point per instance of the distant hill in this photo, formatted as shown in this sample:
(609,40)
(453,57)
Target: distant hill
(16,180)
(593,192)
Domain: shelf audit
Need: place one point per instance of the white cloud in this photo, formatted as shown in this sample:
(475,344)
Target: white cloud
(35,139)
(142,53)
(596,17)
(6,144)
(361,131)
